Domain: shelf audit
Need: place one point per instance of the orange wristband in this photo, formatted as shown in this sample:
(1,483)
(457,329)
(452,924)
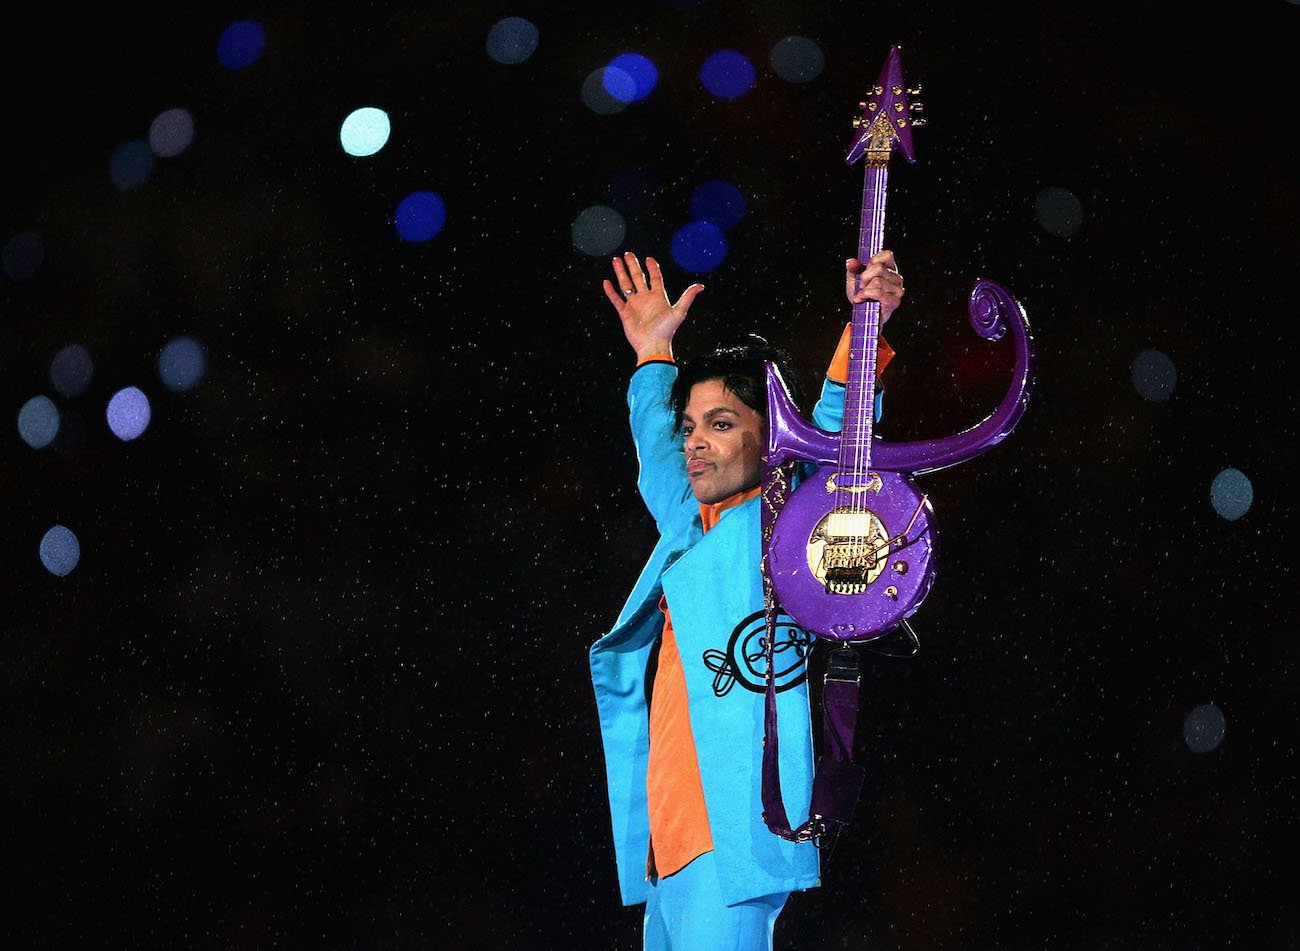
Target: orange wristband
(839,368)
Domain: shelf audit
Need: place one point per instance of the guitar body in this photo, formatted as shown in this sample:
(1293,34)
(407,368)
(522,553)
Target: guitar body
(849,565)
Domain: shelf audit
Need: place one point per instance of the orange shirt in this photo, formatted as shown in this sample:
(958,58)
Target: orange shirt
(679,820)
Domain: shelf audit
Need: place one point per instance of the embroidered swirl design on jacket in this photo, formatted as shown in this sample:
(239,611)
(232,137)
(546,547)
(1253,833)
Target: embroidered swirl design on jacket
(743,662)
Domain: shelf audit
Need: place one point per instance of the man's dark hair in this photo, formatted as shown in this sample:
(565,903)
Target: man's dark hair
(740,368)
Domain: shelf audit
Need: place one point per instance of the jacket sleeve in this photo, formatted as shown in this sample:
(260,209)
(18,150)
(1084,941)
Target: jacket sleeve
(828,414)
(661,470)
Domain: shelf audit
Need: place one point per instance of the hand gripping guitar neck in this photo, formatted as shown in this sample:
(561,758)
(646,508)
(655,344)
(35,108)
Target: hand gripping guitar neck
(849,554)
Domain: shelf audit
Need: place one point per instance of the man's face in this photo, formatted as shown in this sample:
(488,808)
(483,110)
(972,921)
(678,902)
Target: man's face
(724,443)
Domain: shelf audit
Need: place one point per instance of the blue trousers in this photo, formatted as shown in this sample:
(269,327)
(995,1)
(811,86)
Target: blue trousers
(685,912)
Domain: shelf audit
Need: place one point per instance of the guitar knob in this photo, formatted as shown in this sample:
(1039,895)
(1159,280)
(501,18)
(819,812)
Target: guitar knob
(900,567)
(891,592)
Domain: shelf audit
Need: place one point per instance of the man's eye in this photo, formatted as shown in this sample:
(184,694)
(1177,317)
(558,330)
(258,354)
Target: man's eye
(686,430)
(722,424)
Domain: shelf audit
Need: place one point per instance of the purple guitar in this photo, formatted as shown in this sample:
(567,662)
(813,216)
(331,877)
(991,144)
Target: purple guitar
(850,553)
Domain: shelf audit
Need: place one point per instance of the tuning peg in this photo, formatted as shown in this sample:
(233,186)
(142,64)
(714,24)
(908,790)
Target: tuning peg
(914,90)
(916,106)
(917,122)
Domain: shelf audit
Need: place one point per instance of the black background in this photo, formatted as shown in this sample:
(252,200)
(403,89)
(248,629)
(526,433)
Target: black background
(319,678)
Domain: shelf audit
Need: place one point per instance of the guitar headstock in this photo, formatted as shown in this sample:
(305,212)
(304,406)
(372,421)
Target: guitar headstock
(887,116)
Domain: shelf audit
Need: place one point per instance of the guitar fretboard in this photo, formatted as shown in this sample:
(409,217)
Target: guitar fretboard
(860,395)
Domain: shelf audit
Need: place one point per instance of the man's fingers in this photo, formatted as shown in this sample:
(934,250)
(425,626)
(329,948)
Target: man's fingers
(615,298)
(688,297)
(656,281)
(634,270)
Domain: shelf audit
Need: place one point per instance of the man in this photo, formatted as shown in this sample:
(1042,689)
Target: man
(681,715)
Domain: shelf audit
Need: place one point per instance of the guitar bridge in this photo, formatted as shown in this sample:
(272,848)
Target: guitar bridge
(848,550)
(849,567)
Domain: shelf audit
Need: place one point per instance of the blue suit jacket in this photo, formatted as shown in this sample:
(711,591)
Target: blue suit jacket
(714,588)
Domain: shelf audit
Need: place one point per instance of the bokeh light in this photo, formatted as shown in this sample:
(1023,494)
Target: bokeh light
(512,40)
(1154,375)
(797,59)
(728,74)
(1231,494)
(71,370)
(718,201)
(241,44)
(595,92)
(23,255)
(38,422)
(634,187)
(128,413)
(171,132)
(699,246)
(181,364)
(420,216)
(131,164)
(60,551)
(598,230)
(630,68)
(365,131)
(1204,728)
(1058,212)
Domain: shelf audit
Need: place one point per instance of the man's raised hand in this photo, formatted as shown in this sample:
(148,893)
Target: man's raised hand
(649,319)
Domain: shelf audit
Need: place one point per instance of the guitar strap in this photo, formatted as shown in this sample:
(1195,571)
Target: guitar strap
(837,780)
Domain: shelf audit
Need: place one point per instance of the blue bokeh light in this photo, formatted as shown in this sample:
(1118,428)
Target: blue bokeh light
(1154,375)
(365,131)
(241,44)
(619,84)
(23,255)
(630,77)
(718,201)
(128,413)
(60,551)
(728,74)
(131,165)
(420,216)
(699,246)
(1204,728)
(171,132)
(181,364)
(1058,211)
(38,422)
(1231,494)
(797,59)
(512,40)
(71,370)
(595,94)
(598,230)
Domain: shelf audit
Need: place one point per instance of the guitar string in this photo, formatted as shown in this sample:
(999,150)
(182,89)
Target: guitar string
(871,227)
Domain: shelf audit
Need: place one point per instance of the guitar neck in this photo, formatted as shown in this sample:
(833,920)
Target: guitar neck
(860,395)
